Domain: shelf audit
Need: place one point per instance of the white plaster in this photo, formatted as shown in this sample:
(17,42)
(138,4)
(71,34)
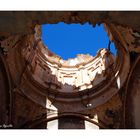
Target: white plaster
(89,125)
(52,125)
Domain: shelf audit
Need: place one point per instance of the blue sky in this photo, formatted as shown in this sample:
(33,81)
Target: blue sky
(68,40)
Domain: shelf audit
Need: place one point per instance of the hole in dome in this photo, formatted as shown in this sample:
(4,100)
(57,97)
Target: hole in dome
(68,40)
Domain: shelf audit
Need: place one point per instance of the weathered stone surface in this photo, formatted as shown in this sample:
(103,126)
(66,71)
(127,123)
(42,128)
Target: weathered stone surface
(24,22)
(37,86)
(132,102)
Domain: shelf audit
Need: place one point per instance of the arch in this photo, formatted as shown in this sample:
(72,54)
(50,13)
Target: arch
(36,122)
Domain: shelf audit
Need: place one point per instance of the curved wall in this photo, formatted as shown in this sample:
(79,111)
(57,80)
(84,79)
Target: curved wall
(37,88)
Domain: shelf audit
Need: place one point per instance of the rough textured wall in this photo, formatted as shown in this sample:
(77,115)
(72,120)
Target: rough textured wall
(132,113)
(17,35)
(24,22)
(26,110)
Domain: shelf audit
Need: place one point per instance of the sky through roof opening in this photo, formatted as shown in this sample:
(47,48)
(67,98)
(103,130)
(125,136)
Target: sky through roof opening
(68,40)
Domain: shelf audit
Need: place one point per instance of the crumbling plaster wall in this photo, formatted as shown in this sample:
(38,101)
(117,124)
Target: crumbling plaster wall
(132,98)
(19,24)
(24,22)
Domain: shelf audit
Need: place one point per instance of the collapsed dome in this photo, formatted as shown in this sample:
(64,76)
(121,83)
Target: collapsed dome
(91,81)
(75,74)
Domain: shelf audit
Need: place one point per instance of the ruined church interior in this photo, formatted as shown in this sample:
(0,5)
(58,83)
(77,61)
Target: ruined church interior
(40,90)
